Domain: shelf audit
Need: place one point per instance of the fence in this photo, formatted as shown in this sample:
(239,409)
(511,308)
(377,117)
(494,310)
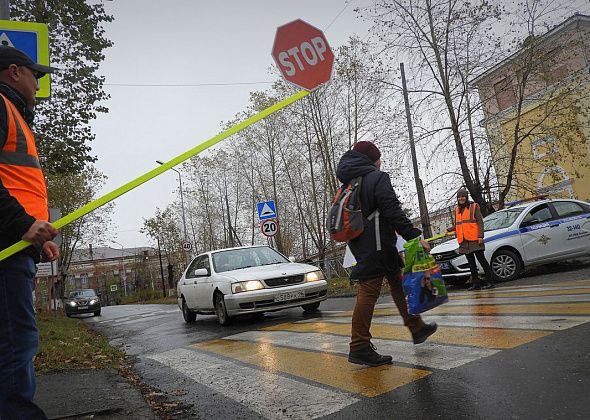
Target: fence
(332,267)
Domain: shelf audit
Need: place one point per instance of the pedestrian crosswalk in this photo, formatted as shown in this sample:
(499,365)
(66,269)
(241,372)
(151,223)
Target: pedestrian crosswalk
(302,366)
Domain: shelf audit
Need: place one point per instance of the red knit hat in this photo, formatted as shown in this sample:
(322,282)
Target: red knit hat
(367,148)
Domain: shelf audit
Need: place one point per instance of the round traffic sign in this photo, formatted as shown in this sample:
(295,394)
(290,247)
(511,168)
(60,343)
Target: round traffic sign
(269,227)
(187,246)
(303,55)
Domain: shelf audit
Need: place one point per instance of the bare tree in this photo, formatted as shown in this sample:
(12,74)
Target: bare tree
(433,35)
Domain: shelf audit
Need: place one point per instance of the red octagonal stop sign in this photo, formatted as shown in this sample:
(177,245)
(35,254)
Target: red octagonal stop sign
(303,55)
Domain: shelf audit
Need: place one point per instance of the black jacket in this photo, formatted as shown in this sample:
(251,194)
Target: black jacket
(14,220)
(376,194)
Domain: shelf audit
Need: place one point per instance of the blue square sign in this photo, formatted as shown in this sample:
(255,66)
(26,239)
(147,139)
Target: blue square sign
(266,210)
(24,41)
(33,39)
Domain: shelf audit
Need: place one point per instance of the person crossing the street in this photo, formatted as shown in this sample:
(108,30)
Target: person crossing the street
(375,252)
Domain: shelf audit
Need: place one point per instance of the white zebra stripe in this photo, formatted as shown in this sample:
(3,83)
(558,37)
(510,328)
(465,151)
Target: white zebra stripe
(262,391)
(530,322)
(437,356)
(509,300)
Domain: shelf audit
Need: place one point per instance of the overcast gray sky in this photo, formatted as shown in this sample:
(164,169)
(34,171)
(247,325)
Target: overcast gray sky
(187,42)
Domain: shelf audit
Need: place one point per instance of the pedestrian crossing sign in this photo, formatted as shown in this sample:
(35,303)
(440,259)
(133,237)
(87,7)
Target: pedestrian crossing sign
(266,210)
(32,39)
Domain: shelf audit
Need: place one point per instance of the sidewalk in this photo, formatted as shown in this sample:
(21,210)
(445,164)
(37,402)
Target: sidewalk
(90,394)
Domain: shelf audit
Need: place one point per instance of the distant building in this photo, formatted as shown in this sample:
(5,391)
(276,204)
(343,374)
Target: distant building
(114,272)
(549,113)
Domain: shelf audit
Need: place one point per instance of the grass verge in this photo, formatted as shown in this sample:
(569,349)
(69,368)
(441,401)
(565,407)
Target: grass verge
(342,287)
(67,344)
(148,297)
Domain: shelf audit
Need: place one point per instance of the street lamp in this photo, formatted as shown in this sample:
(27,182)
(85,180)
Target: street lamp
(181,199)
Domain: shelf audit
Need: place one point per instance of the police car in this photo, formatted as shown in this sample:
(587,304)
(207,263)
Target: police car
(524,235)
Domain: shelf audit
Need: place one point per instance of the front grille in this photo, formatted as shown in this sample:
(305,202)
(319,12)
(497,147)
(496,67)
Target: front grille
(284,281)
(445,256)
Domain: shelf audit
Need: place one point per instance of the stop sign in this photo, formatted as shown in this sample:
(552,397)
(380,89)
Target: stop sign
(303,55)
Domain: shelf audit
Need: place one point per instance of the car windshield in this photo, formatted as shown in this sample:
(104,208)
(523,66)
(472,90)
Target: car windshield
(501,219)
(235,259)
(82,293)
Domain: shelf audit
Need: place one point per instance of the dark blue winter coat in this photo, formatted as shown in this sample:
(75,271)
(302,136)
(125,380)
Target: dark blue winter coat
(376,194)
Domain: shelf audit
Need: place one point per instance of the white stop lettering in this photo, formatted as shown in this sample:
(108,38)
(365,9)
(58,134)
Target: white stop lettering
(312,53)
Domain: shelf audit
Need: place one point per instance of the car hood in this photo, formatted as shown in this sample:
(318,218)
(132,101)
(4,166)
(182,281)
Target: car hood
(82,299)
(268,271)
(446,247)
(453,244)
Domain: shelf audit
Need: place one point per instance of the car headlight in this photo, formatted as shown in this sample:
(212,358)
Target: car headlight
(314,276)
(93,301)
(246,286)
(72,303)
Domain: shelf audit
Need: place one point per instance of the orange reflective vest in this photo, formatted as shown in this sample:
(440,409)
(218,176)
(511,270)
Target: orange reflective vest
(20,170)
(465,223)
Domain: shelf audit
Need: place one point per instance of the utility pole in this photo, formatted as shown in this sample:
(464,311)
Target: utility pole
(424,218)
(186,259)
(161,268)
(231,234)
(5,9)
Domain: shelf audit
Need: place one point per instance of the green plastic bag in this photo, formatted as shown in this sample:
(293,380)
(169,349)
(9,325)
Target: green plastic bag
(423,283)
(416,258)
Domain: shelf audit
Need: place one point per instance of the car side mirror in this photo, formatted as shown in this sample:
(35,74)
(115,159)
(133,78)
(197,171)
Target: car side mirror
(530,222)
(201,272)
(292,258)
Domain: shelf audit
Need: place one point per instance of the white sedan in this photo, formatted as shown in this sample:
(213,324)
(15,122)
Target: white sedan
(524,235)
(247,280)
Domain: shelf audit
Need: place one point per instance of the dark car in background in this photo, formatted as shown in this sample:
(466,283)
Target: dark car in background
(82,301)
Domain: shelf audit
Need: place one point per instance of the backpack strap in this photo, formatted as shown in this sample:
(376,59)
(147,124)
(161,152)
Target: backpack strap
(375,215)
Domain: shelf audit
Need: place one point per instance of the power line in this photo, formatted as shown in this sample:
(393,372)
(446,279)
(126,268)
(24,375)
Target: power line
(183,85)
(346,4)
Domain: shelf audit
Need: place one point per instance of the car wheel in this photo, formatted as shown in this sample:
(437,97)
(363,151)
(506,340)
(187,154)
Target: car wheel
(96,313)
(505,265)
(311,307)
(188,315)
(69,315)
(220,310)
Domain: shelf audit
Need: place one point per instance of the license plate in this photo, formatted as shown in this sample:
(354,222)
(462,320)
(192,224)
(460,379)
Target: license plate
(283,297)
(444,265)
(82,307)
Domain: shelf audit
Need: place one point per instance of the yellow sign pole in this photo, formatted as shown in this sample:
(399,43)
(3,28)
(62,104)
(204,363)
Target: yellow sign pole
(442,235)
(82,211)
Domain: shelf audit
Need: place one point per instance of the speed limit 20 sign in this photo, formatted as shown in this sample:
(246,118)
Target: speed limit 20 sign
(269,227)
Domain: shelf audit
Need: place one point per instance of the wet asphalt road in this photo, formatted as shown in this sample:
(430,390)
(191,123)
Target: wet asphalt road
(521,352)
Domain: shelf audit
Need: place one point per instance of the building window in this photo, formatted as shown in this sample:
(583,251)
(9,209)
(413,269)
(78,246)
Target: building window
(555,180)
(84,280)
(545,146)
(504,94)
(555,69)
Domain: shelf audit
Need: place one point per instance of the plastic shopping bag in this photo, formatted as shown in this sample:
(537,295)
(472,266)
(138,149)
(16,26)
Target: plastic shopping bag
(423,283)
